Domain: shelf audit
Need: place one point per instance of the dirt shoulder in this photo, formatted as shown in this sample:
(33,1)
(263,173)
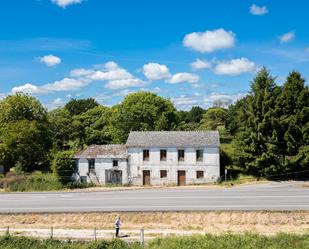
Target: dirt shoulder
(210,222)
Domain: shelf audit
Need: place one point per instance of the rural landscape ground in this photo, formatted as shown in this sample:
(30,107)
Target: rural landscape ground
(162,221)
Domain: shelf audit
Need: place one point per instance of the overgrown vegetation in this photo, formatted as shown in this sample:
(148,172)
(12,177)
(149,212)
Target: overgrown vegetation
(36,181)
(228,241)
(264,134)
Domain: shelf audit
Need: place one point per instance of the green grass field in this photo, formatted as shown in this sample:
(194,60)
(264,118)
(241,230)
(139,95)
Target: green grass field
(228,241)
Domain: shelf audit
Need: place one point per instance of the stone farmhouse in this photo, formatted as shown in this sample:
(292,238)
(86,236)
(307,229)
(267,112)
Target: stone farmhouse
(153,158)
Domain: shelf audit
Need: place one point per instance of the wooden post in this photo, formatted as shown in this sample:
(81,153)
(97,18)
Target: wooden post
(142,238)
(95,234)
(7,233)
(51,233)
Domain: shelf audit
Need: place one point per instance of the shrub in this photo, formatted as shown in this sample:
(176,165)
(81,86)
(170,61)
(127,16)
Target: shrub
(34,182)
(75,184)
(64,166)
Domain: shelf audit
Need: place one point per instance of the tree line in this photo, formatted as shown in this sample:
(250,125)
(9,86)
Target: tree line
(264,133)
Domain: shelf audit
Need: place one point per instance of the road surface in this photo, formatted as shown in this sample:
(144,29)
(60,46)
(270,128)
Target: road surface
(268,196)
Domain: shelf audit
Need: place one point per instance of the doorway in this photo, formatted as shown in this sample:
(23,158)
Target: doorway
(146,177)
(181,178)
(113,177)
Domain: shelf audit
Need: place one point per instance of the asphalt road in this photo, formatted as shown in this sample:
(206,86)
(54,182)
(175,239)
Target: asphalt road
(269,196)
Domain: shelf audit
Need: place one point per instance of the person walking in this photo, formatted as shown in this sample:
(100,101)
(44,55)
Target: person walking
(117,226)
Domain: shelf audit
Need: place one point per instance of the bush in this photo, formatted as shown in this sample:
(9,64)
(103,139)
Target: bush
(75,185)
(64,166)
(35,182)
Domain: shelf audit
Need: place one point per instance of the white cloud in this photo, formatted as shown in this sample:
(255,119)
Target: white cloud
(124,92)
(257,10)
(80,72)
(59,102)
(50,60)
(65,3)
(209,41)
(124,83)
(225,99)
(110,71)
(201,64)
(287,37)
(116,77)
(155,71)
(65,84)
(235,67)
(183,77)
(184,101)
(28,88)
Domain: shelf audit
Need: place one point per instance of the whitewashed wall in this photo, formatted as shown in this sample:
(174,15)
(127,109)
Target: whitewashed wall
(102,164)
(210,165)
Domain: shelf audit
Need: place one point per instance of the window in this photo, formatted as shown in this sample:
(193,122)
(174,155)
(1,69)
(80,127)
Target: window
(163,173)
(181,155)
(146,155)
(115,163)
(199,174)
(91,165)
(199,155)
(163,155)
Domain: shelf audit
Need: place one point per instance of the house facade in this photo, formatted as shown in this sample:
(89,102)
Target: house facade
(154,158)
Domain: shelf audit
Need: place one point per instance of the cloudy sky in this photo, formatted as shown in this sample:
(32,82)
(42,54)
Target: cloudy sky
(191,51)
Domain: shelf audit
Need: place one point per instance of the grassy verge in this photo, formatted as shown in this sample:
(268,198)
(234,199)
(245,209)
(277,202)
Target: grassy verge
(227,241)
(242,179)
(36,182)
(29,243)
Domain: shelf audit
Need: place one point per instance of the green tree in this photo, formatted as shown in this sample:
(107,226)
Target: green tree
(293,111)
(214,118)
(64,165)
(93,126)
(258,139)
(24,135)
(79,106)
(236,115)
(62,129)
(142,111)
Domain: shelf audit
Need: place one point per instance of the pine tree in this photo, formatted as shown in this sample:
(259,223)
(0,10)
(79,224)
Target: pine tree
(258,140)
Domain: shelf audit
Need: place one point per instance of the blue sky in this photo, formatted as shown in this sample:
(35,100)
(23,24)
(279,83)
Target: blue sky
(193,52)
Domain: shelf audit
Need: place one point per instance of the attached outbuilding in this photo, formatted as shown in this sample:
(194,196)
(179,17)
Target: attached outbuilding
(103,164)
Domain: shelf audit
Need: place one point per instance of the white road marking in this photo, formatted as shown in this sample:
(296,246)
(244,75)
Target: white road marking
(151,207)
(165,197)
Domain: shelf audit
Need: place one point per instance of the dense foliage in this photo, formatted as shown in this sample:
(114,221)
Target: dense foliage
(265,133)
(227,241)
(64,165)
(25,139)
(272,126)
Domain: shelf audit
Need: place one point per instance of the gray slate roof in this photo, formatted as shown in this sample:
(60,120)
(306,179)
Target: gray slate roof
(103,151)
(193,139)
